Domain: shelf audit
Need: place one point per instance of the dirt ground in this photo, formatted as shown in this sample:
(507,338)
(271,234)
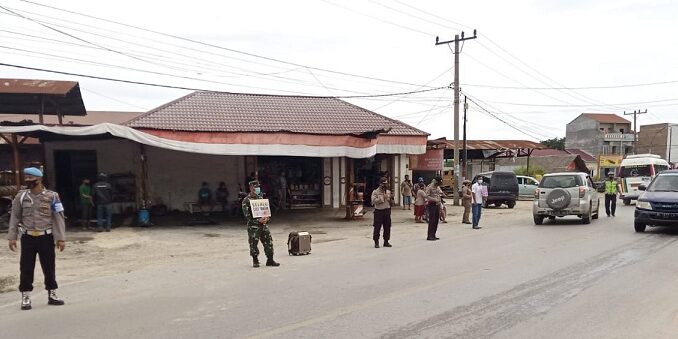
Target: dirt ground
(92,254)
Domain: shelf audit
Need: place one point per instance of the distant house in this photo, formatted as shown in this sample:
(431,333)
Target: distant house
(661,139)
(600,134)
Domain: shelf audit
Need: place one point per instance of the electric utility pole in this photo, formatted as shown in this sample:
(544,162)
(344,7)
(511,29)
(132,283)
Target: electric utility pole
(635,121)
(456,41)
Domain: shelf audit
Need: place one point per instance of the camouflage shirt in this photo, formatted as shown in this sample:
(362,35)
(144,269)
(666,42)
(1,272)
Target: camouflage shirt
(247,210)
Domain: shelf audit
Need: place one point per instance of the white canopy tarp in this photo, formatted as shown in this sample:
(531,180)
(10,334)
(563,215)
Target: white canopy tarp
(218,149)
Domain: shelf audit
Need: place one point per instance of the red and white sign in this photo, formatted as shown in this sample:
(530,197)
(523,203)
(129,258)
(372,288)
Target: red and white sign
(432,160)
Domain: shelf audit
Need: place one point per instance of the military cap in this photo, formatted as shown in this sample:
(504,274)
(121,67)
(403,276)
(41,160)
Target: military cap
(254,183)
(33,171)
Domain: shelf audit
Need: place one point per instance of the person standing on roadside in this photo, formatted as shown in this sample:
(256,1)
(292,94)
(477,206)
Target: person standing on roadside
(86,203)
(37,214)
(381,200)
(257,228)
(611,192)
(103,194)
(466,198)
(420,203)
(433,198)
(406,191)
(477,203)
(221,195)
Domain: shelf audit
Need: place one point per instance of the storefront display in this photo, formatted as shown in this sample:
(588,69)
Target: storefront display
(302,177)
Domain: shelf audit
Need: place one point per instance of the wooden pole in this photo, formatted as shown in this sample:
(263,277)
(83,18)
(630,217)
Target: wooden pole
(17,166)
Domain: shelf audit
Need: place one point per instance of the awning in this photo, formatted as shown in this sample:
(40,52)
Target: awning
(285,146)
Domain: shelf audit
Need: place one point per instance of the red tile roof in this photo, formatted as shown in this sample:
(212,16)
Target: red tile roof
(607,118)
(583,154)
(239,112)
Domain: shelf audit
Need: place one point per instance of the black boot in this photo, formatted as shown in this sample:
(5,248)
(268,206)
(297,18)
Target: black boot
(376,244)
(271,262)
(255,261)
(52,298)
(386,244)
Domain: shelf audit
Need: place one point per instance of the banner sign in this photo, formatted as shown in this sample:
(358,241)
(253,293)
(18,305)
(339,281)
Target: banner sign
(432,160)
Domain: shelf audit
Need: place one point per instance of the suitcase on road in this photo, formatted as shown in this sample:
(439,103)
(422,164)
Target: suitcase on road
(299,243)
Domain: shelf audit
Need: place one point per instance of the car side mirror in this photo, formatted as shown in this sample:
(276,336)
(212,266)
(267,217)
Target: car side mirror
(642,187)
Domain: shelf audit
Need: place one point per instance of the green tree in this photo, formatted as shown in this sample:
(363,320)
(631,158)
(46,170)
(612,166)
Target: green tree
(556,143)
(535,171)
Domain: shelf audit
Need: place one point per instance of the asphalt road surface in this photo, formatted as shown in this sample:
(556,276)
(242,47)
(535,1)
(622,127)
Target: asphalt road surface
(511,279)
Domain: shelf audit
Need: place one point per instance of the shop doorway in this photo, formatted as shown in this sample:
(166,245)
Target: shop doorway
(70,168)
(369,170)
(304,181)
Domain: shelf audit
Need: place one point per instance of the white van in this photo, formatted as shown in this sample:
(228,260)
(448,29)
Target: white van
(636,170)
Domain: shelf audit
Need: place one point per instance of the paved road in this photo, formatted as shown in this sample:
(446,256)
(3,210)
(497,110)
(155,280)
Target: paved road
(509,280)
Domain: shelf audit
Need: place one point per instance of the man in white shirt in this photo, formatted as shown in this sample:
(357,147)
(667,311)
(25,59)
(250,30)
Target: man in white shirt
(477,202)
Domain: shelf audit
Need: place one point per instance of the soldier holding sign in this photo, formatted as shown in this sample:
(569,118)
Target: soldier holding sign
(257,212)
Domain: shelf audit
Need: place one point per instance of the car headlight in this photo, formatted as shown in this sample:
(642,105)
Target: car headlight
(643,205)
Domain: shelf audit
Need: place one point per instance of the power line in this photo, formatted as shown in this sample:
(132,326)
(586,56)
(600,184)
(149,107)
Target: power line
(498,118)
(577,88)
(221,47)
(619,104)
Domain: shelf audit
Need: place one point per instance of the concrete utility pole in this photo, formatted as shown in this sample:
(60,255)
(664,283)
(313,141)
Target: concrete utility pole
(456,107)
(635,132)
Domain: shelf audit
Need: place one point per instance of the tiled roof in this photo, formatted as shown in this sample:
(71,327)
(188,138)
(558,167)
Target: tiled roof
(607,118)
(583,154)
(236,112)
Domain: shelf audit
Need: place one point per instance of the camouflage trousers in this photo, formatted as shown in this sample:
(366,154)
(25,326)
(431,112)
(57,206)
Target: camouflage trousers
(260,232)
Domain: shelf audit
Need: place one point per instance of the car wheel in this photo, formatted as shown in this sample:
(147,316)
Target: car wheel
(553,217)
(595,216)
(640,227)
(511,204)
(627,202)
(538,220)
(586,219)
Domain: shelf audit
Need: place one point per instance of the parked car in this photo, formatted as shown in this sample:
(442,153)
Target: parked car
(502,188)
(527,185)
(658,203)
(563,194)
(636,170)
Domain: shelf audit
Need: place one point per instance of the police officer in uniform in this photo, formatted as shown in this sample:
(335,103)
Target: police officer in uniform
(611,193)
(257,228)
(37,215)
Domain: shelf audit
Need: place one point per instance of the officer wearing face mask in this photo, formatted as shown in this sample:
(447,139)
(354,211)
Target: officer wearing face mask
(382,200)
(257,228)
(37,215)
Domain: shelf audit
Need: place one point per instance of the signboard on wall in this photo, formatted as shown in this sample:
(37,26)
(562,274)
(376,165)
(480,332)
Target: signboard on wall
(432,160)
(610,160)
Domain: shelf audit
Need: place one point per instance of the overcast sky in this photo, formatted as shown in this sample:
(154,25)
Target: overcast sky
(526,53)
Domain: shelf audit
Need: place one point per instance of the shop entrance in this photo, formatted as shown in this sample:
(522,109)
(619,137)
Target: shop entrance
(369,170)
(72,167)
(304,181)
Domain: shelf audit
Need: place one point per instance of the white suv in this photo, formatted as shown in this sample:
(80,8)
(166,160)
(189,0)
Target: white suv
(561,194)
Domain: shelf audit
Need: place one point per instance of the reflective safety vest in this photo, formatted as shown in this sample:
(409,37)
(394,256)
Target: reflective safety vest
(610,187)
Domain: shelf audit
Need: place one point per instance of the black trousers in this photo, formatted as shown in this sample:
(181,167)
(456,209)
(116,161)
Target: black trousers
(43,246)
(382,218)
(610,203)
(433,219)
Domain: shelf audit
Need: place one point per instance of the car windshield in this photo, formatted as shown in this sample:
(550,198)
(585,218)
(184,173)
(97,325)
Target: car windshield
(635,171)
(664,183)
(561,181)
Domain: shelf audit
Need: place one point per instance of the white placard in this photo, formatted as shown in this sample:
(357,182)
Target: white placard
(260,208)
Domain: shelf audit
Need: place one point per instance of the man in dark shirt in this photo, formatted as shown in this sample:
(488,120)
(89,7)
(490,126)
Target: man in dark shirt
(205,197)
(103,197)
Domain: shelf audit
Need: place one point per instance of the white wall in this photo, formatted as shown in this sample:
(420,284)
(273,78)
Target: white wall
(175,177)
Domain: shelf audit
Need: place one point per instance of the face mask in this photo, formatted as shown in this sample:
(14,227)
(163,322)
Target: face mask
(31,183)
(257,190)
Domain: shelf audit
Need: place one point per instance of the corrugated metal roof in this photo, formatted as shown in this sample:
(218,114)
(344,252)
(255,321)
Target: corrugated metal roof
(240,112)
(33,86)
(487,144)
(607,118)
(49,97)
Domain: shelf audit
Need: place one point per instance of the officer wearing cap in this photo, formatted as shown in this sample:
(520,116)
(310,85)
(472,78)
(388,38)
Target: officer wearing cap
(37,215)
(257,228)
(382,200)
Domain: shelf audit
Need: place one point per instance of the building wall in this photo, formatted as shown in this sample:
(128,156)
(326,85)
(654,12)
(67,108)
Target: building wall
(654,139)
(584,133)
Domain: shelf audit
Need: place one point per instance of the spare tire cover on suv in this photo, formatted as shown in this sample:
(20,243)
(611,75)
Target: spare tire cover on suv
(558,199)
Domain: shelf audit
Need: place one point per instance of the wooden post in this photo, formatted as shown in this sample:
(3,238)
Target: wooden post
(17,166)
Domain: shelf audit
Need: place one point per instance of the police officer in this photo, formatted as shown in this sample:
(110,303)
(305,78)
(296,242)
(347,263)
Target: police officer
(382,200)
(257,228)
(433,197)
(611,192)
(37,214)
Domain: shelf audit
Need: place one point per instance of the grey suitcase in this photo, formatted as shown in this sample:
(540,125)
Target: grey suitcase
(299,243)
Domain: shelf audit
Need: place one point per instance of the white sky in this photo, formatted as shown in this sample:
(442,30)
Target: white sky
(557,44)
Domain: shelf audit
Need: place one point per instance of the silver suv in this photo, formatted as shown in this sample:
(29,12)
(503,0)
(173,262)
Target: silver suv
(561,194)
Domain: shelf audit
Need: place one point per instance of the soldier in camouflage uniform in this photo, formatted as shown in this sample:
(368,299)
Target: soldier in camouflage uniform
(257,229)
